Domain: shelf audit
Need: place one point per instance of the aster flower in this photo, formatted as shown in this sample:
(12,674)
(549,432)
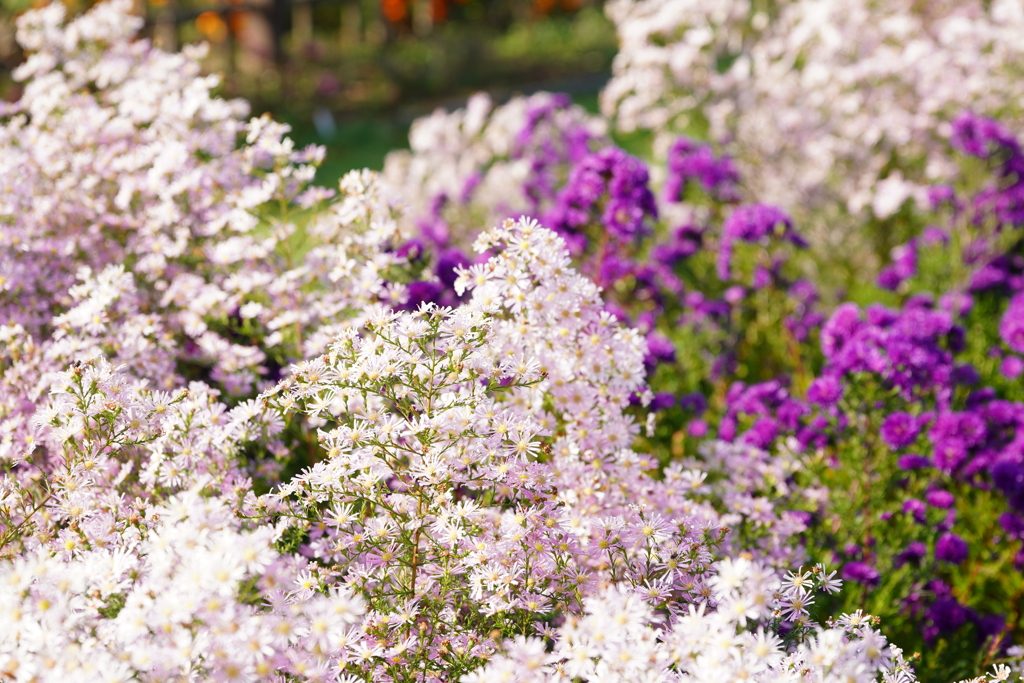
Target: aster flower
(951,548)
(899,430)
(1011,328)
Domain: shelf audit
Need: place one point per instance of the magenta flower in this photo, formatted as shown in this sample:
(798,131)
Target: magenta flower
(1011,367)
(940,499)
(825,391)
(900,430)
(859,572)
(1011,329)
(913,461)
(951,548)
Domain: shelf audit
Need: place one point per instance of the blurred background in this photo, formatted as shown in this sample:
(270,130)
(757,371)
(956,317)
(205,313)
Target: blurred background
(353,74)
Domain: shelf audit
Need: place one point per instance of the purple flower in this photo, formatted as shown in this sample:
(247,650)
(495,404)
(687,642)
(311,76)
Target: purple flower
(913,553)
(762,278)
(762,433)
(610,173)
(1008,476)
(697,428)
(981,137)
(645,321)
(825,391)
(661,401)
(957,303)
(990,625)
(913,461)
(966,375)
(951,548)
(899,430)
(949,453)
(1011,367)
(946,615)
(689,160)
(904,266)
(933,235)
(977,400)
(686,241)
(447,262)
(433,227)
(790,413)
(726,428)
(412,250)
(1011,328)
(613,268)
(693,402)
(801,517)
(840,328)
(469,187)
(889,279)
(940,499)
(859,572)
(923,300)
(734,295)
(659,350)
(956,339)
(915,507)
(689,239)
(1012,524)
(989,276)
(971,428)
(623,217)
(420,292)
(753,223)
(939,195)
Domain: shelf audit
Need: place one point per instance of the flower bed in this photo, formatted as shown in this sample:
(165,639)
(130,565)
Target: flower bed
(523,407)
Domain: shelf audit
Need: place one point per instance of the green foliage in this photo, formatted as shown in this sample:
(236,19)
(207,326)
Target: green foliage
(113,606)
(291,539)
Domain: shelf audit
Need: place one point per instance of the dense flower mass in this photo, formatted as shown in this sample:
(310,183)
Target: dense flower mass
(612,178)
(844,102)
(690,161)
(482,164)
(525,406)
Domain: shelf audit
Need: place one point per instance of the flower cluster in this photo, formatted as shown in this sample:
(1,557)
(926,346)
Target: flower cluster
(127,194)
(690,161)
(907,374)
(485,163)
(753,223)
(453,501)
(619,638)
(612,183)
(847,104)
(160,600)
